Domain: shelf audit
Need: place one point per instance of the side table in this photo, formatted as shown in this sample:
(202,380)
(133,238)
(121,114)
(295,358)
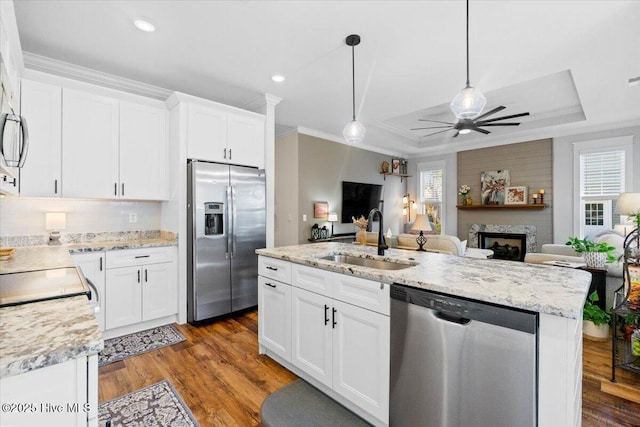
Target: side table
(598,284)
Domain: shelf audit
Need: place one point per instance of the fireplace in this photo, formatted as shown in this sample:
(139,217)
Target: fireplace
(520,238)
(507,246)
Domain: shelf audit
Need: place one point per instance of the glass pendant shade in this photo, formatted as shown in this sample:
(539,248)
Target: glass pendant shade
(468,104)
(354,132)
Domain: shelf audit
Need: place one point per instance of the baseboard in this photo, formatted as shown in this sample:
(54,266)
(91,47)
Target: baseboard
(137,327)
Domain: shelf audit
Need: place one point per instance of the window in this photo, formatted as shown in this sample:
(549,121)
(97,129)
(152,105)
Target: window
(431,191)
(604,171)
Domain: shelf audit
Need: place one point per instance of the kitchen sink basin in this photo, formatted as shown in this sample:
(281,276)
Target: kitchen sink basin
(367,262)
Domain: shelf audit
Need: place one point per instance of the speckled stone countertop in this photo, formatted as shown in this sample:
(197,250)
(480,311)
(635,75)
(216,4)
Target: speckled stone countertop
(44,257)
(552,290)
(45,333)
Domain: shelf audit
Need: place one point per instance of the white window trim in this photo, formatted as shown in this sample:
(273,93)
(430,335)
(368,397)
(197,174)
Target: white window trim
(438,164)
(596,146)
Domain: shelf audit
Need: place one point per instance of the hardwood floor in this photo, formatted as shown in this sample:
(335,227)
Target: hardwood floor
(223,380)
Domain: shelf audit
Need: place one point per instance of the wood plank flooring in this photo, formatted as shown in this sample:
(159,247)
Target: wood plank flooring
(222,378)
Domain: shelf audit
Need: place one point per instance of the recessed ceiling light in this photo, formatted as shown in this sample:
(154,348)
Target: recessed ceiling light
(278,78)
(145,26)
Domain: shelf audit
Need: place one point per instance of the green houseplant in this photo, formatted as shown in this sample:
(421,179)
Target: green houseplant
(595,323)
(595,254)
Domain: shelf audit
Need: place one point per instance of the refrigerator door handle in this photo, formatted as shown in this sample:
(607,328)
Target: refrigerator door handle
(228,254)
(233,219)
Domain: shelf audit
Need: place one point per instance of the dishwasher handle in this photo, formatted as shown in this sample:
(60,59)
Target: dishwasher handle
(451,318)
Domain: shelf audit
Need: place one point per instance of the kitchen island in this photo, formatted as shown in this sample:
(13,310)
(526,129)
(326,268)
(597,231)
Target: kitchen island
(556,294)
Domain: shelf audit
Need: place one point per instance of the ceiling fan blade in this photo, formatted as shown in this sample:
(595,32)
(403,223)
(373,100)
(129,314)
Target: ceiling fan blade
(433,127)
(477,129)
(435,133)
(513,116)
(488,113)
(434,121)
(500,124)
(456,134)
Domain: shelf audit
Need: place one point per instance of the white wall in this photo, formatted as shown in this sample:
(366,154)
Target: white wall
(564,215)
(23,216)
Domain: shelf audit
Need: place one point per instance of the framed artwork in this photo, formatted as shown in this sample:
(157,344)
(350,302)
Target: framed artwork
(395,165)
(320,210)
(492,186)
(515,195)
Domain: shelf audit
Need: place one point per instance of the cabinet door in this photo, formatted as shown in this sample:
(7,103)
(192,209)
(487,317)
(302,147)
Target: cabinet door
(89,145)
(206,133)
(93,267)
(159,290)
(143,160)
(361,358)
(312,327)
(123,297)
(42,171)
(245,140)
(274,316)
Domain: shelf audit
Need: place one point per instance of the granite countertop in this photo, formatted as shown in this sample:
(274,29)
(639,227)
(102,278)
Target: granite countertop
(45,333)
(45,257)
(552,290)
(40,334)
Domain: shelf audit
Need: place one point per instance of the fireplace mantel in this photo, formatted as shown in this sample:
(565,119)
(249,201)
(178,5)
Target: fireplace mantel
(537,206)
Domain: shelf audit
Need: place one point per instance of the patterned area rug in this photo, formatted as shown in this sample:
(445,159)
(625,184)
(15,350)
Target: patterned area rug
(158,405)
(140,342)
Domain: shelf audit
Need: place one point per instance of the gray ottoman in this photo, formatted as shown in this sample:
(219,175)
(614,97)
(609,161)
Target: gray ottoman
(299,404)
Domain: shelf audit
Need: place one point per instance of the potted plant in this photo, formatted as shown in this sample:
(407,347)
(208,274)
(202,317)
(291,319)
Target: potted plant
(595,325)
(595,255)
(628,327)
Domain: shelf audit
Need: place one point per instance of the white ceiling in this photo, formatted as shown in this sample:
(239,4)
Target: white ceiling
(566,62)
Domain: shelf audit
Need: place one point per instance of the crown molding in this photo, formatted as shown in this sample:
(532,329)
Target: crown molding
(88,75)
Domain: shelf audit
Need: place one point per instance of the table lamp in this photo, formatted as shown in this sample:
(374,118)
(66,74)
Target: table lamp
(421,224)
(55,221)
(333,217)
(629,204)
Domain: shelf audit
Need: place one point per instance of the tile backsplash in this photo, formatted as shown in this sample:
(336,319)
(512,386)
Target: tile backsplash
(24,216)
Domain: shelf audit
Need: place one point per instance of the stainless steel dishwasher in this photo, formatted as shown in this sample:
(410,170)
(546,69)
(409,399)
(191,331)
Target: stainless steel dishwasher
(460,363)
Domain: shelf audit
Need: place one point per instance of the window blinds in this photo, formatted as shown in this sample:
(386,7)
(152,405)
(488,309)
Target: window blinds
(431,181)
(602,173)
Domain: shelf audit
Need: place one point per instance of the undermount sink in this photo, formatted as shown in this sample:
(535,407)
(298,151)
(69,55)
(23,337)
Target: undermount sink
(367,262)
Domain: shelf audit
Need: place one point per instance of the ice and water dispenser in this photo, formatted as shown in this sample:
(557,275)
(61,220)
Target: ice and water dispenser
(213,218)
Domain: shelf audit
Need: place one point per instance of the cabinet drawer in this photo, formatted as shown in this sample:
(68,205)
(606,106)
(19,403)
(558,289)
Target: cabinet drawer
(274,269)
(363,293)
(133,257)
(312,279)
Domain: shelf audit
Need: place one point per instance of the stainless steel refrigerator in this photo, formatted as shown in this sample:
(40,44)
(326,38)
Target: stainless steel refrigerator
(226,224)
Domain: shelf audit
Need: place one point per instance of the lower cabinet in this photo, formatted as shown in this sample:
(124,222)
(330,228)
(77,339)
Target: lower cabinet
(141,285)
(64,394)
(331,327)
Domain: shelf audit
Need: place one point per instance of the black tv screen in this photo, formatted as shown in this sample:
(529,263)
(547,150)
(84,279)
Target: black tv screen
(358,199)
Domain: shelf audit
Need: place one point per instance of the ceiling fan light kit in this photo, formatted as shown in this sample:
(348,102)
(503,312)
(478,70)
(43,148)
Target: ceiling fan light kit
(354,132)
(468,104)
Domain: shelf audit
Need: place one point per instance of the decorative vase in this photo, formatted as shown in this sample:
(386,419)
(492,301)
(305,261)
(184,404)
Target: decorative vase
(595,259)
(361,236)
(595,333)
(464,201)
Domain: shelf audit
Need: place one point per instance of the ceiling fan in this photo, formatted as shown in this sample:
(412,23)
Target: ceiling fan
(467,106)
(463,126)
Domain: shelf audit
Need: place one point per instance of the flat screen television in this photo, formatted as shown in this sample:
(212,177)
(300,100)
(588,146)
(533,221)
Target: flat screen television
(358,199)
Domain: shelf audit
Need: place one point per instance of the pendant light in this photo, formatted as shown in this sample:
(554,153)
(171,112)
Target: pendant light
(468,104)
(354,131)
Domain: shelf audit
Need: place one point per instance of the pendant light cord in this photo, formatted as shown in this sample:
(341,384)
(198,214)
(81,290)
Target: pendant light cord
(353,80)
(467,43)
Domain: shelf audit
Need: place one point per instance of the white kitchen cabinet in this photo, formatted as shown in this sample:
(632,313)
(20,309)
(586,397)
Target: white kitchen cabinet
(92,265)
(41,175)
(141,285)
(219,133)
(312,334)
(64,394)
(89,145)
(274,316)
(143,152)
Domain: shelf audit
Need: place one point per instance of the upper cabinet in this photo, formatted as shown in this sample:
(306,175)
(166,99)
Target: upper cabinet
(10,54)
(224,134)
(89,144)
(41,175)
